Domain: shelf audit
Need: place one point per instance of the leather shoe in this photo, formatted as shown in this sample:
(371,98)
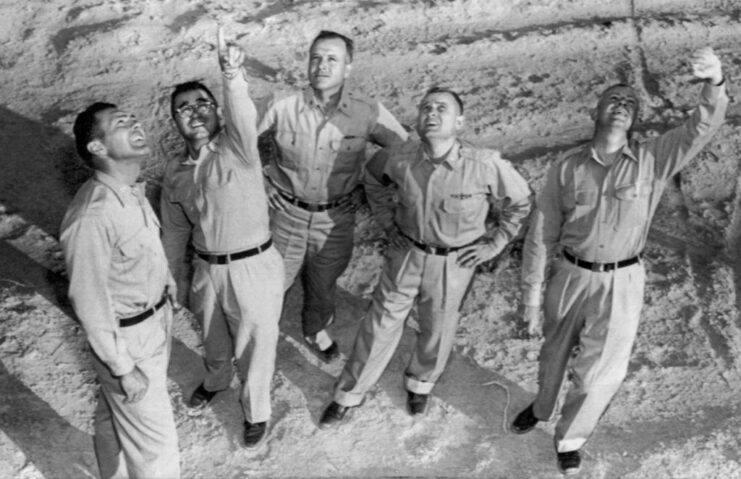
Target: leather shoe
(417,403)
(333,415)
(569,463)
(254,433)
(525,421)
(201,397)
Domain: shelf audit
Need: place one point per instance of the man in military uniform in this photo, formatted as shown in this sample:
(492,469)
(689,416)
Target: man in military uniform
(437,238)
(119,290)
(593,217)
(213,194)
(321,135)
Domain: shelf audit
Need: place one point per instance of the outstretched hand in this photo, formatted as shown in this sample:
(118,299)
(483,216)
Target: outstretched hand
(231,55)
(706,65)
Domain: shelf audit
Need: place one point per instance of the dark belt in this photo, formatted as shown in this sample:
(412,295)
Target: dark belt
(438,250)
(126,322)
(313,207)
(600,267)
(228,258)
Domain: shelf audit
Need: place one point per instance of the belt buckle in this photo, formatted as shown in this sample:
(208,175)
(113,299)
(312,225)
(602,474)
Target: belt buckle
(598,267)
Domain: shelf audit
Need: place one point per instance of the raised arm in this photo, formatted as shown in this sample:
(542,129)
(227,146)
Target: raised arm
(239,112)
(674,149)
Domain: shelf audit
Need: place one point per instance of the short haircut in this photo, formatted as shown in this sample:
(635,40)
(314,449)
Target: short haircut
(186,87)
(330,35)
(443,89)
(87,129)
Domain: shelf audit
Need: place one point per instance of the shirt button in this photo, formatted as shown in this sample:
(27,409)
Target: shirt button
(601,246)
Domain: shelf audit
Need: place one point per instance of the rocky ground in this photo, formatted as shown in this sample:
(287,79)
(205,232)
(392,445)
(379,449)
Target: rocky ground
(529,72)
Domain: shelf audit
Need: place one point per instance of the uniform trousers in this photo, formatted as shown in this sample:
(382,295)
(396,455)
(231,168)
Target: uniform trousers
(239,306)
(138,440)
(598,313)
(438,285)
(322,242)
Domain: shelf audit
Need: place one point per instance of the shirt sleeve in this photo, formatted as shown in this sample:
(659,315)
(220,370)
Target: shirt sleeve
(542,238)
(176,232)
(508,185)
(376,182)
(240,117)
(268,117)
(387,130)
(88,252)
(674,149)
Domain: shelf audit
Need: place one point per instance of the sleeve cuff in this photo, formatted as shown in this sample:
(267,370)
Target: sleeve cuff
(530,298)
(122,366)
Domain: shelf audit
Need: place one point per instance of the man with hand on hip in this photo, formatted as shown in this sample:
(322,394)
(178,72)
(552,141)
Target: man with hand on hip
(436,240)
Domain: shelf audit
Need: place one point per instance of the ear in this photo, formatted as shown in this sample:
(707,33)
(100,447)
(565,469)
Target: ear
(97,148)
(460,120)
(348,69)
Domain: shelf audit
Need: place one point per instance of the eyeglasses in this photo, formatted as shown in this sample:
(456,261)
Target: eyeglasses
(202,107)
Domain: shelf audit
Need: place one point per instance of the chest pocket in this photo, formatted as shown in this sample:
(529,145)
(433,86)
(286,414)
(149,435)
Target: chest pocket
(456,213)
(291,144)
(128,254)
(217,179)
(632,201)
(580,207)
(348,150)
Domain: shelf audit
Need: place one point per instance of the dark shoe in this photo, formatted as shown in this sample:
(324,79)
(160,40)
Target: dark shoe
(201,397)
(525,421)
(254,433)
(327,355)
(417,403)
(333,415)
(569,463)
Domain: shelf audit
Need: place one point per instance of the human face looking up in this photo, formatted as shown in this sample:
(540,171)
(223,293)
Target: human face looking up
(123,136)
(617,108)
(195,115)
(439,117)
(329,65)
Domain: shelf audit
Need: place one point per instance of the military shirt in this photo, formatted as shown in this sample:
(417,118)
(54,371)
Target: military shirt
(321,156)
(446,205)
(115,262)
(602,213)
(219,197)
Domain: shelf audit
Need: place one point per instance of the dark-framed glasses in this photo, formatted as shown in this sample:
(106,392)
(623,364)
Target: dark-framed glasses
(202,107)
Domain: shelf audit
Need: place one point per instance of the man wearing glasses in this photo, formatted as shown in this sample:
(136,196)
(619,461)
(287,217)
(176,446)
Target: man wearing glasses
(213,194)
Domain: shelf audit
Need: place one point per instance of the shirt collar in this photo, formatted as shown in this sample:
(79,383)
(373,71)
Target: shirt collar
(625,151)
(121,190)
(453,159)
(209,148)
(310,100)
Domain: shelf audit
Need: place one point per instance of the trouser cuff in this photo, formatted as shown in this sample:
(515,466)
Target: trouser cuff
(418,387)
(348,399)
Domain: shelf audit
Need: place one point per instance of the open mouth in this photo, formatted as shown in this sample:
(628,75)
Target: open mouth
(138,138)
